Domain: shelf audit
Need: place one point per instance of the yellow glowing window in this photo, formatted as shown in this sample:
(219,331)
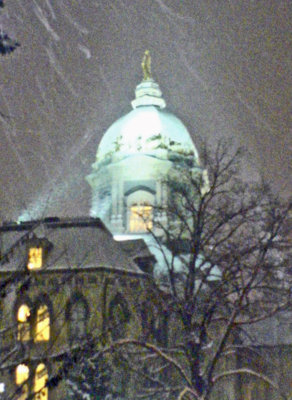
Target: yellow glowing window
(21,376)
(40,381)
(140,218)
(35,258)
(23,324)
(42,328)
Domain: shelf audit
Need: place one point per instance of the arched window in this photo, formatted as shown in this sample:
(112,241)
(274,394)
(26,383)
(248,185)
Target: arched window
(77,316)
(42,324)
(140,209)
(23,323)
(21,380)
(119,317)
(40,381)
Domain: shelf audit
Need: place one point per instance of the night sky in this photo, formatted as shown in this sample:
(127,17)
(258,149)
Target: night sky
(224,67)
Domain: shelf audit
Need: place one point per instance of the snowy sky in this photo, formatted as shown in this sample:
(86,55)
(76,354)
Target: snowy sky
(223,67)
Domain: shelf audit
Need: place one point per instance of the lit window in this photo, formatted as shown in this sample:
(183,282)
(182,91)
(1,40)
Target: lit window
(23,324)
(21,377)
(35,258)
(42,328)
(140,218)
(40,381)
(22,374)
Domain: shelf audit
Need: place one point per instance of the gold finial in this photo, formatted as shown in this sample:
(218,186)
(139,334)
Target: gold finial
(146,66)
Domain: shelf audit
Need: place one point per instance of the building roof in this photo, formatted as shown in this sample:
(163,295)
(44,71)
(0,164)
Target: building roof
(136,248)
(78,243)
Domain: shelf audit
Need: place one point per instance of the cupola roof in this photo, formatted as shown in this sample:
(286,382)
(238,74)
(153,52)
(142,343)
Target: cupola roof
(149,127)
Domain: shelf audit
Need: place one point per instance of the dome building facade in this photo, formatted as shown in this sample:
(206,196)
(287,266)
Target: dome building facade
(134,158)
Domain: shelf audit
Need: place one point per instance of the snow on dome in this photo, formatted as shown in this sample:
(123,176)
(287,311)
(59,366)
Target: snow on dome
(149,128)
(146,129)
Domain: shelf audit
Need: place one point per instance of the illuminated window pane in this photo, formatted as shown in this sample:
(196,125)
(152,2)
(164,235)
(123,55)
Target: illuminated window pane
(140,218)
(35,258)
(40,381)
(21,376)
(42,329)
(23,324)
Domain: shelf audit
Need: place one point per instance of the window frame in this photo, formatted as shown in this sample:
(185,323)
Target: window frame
(23,301)
(42,300)
(42,333)
(76,298)
(38,262)
(41,244)
(140,218)
(45,387)
(118,300)
(23,384)
(139,197)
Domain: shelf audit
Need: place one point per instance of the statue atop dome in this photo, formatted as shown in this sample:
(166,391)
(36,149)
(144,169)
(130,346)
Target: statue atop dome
(146,66)
(148,92)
